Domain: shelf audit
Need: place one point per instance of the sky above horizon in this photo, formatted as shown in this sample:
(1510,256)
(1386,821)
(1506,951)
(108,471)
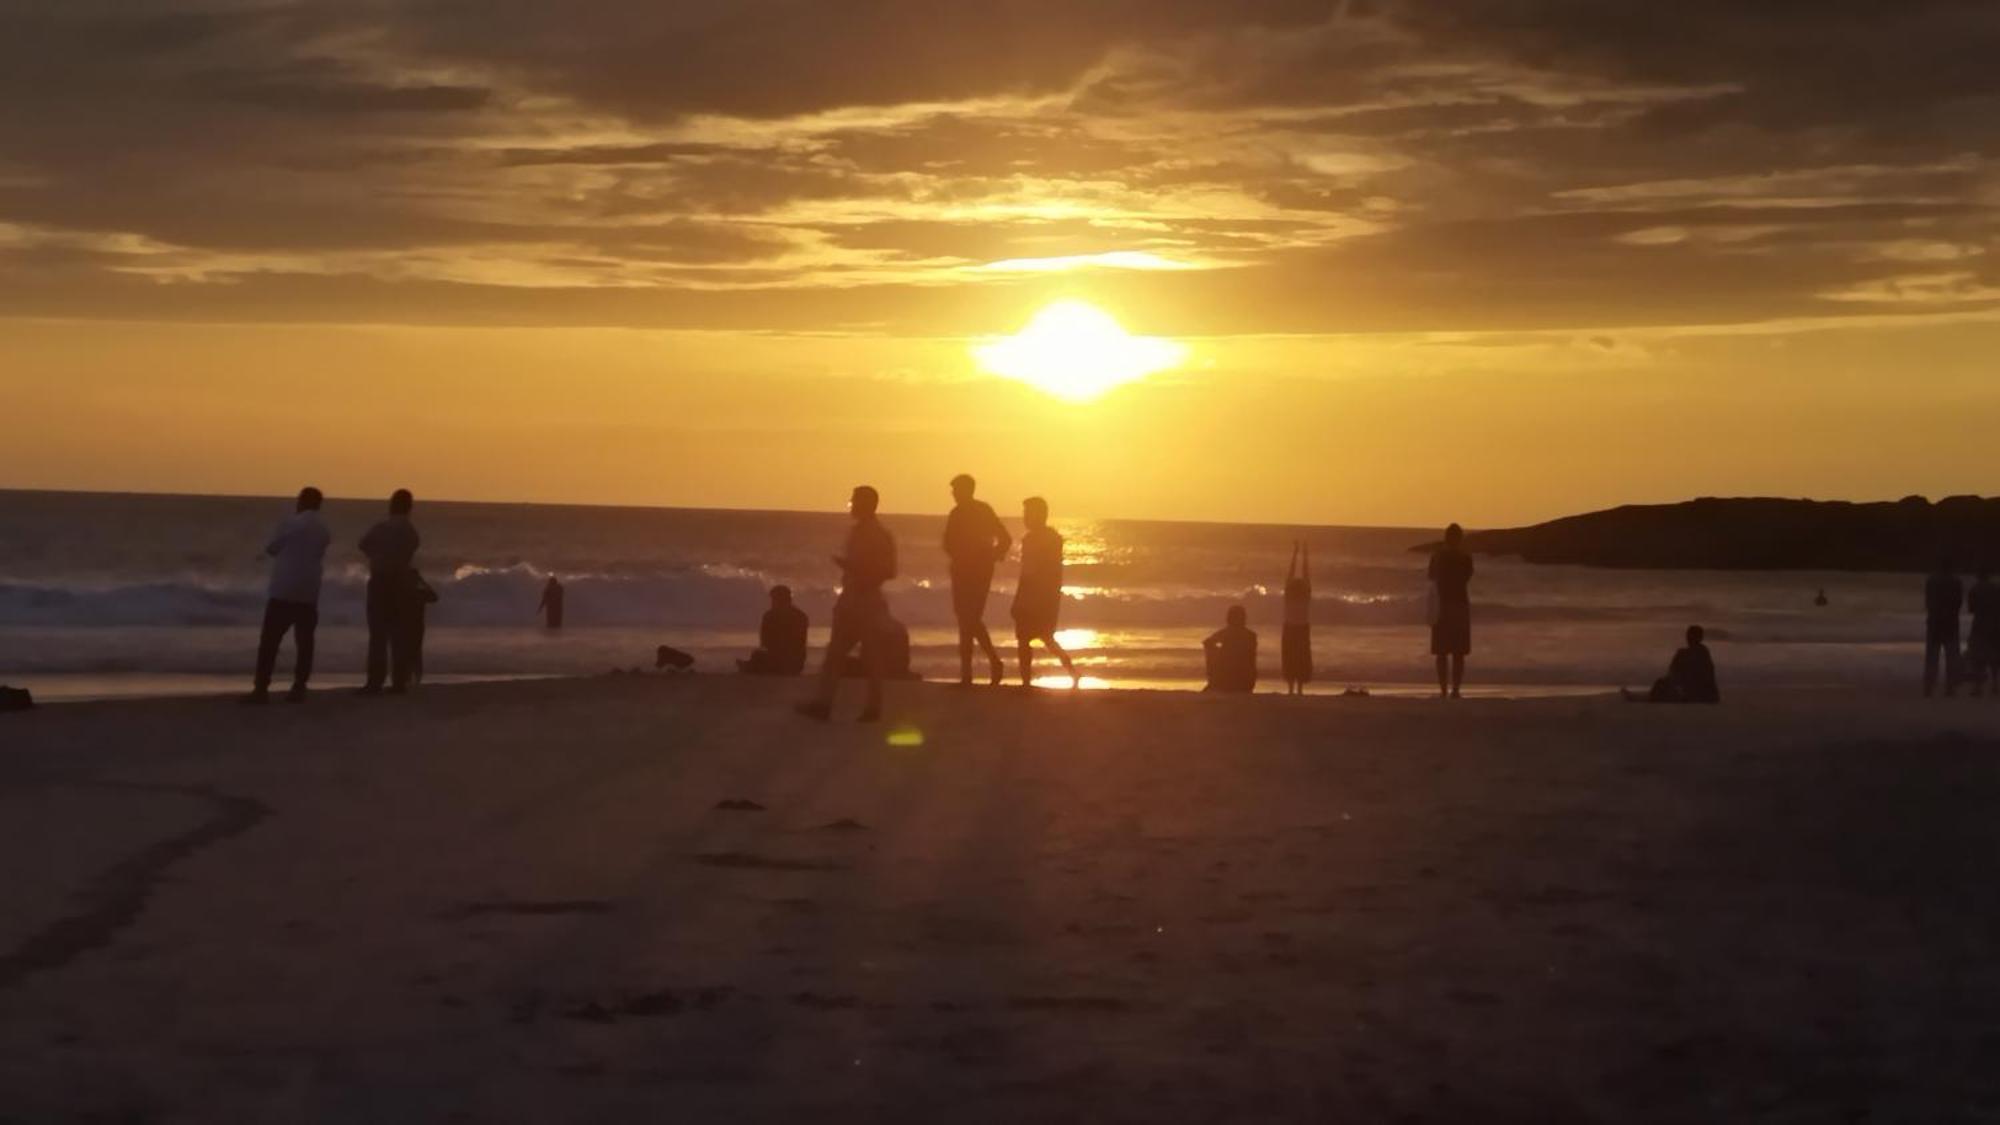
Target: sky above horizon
(1485,260)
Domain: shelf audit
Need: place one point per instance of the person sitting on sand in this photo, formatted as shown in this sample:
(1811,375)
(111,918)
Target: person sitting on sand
(781,639)
(1451,629)
(1690,676)
(1296,647)
(1232,655)
(860,612)
(1983,645)
(1038,594)
(891,646)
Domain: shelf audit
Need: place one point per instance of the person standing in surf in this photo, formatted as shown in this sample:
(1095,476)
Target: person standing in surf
(1297,647)
(975,541)
(298,555)
(861,612)
(1038,595)
(1451,630)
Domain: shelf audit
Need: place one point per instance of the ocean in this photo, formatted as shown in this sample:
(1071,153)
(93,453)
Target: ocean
(111,594)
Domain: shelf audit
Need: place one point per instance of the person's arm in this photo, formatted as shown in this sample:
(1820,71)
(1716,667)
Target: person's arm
(284,531)
(371,542)
(1306,564)
(1003,541)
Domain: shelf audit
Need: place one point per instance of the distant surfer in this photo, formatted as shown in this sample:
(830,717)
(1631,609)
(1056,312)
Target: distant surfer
(552,602)
(1820,600)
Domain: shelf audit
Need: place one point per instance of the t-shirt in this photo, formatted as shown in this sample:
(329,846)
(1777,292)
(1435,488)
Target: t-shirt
(391,545)
(1984,602)
(1452,571)
(974,537)
(783,637)
(1694,670)
(870,559)
(1943,595)
(1232,659)
(298,557)
(1040,587)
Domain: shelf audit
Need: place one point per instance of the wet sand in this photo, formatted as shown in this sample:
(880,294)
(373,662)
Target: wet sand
(635,899)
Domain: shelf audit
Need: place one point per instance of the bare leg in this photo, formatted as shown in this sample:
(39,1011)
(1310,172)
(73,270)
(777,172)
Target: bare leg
(1457,674)
(1444,676)
(871,659)
(837,647)
(1074,680)
(985,640)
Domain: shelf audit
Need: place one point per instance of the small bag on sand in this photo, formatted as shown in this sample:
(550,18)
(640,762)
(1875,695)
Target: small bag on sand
(15,699)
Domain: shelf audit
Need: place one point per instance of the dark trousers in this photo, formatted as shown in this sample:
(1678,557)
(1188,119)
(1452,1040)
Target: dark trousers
(1941,637)
(391,638)
(299,618)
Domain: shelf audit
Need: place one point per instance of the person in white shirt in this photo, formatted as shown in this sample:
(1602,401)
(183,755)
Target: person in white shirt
(298,554)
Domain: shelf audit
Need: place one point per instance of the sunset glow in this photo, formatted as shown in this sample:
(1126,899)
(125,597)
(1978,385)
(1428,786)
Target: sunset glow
(1077,352)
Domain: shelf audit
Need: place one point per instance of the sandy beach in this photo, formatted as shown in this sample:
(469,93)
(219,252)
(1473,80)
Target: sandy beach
(639,899)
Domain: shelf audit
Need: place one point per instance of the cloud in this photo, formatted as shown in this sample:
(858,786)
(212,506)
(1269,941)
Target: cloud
(1371,165)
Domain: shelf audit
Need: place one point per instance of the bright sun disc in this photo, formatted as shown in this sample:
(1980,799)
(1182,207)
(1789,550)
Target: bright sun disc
(1076,352)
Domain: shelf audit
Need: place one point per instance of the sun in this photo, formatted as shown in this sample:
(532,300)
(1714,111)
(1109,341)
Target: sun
(1076,352)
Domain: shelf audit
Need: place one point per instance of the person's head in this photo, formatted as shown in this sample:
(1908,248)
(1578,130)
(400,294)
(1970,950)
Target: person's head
(310,499)
(781,596)
(1035,512)
(400,502)
(1237,617)
(1695,634)
(962,487)
(1454,535)
(864,501)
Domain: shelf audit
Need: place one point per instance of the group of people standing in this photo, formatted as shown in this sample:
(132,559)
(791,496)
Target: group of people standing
(1944,598)
(976,542)
(397,598)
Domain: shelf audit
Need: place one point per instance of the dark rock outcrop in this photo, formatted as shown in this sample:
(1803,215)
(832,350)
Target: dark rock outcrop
(1762,534)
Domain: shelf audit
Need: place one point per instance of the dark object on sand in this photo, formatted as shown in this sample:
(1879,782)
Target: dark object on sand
(1355,693)
(737,804)
(15,699)
(1758,534)
(1690,677)
(666,657)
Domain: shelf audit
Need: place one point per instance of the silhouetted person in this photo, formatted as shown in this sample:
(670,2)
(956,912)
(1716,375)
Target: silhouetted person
(1690,676)
(891,647)
(1943,596)
(1296,645)
(551,604)
(1038,595)
(298,556)
(975,541)
(1983,600)
(781,639)
(861,611)
(1231,653)
(391,547)
(1820,598)
(1451,631)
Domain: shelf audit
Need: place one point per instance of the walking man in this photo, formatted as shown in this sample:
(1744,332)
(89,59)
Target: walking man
(391,547)
(298,557)
(976,541)
(860,613)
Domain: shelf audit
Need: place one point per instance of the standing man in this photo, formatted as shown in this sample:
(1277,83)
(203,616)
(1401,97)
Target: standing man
(298,557)
(1943,596)
(391,547)
(860,613)
(552,602)
(976,541)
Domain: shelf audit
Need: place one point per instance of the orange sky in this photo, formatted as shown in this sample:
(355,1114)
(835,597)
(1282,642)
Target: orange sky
(1427,262)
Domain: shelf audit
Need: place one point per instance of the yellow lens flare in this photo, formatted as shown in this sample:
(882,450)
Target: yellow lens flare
(1076,352)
